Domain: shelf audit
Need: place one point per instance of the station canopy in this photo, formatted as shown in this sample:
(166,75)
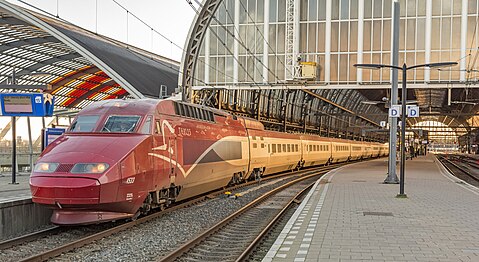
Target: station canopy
(78,66)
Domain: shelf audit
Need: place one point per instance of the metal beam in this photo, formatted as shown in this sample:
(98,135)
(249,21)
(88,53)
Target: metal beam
(29,41)
(45,26)
(93,90)
(313,86)
(6,129)
(340,107)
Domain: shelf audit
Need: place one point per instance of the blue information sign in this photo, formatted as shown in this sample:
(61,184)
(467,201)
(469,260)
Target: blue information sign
(26,104)
(50,134)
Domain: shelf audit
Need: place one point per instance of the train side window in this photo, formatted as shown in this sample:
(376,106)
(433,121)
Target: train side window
(269,148)
(284,147)
(262,145)
(273,147)
(310,148)
(296,148)
(158,127)
(289,147)
(146,128)
(255,145)
(279,148)
(253,137)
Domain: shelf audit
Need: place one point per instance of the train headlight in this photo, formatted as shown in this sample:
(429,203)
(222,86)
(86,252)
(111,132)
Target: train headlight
(46,167)
(89,168)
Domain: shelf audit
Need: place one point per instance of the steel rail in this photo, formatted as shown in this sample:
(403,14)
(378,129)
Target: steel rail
(192,243)
(89,239)
(29,237)
(443,159)
(271,224)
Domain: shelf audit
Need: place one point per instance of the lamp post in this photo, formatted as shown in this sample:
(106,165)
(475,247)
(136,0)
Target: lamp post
(404,69)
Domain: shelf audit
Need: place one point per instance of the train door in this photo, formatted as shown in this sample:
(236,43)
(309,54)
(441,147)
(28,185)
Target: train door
(173,156)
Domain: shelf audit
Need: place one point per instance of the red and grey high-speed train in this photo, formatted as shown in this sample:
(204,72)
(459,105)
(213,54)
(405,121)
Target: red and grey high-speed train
(123,157)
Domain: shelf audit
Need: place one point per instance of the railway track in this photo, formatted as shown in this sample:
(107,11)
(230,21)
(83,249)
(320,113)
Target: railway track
(461,171)
(91,237)
(235,237)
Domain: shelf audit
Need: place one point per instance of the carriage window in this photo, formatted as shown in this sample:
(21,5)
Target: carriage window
(296,147)
(273,146)
(84,124)
(255,145)
(289,148)
(146,128)
(269,148)
(279,148)
(262,145)
(310,148)
(122,124)
(284,148)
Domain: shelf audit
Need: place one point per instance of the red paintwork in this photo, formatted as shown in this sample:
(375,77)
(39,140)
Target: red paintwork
(187,153)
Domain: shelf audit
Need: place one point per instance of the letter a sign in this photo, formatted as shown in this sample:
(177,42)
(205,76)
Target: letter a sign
(395,111)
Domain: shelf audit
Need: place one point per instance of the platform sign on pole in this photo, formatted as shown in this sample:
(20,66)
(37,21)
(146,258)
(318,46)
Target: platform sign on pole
(395,111)
(50,134)
(412,111)
(26,104)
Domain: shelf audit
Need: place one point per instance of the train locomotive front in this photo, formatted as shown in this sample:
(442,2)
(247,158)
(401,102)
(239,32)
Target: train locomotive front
(97,170)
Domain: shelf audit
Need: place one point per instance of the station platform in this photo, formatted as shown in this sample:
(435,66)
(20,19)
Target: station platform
(11,192)
(350,215)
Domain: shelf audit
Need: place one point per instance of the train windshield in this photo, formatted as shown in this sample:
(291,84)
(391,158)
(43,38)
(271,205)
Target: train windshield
(122,124)
(84,124)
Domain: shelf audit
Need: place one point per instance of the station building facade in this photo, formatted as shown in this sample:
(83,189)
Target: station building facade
(256,45)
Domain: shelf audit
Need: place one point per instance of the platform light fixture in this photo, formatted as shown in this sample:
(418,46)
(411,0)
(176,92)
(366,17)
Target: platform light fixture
(404,69)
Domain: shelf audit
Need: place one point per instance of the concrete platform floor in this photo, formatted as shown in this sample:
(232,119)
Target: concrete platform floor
(11,192)
(350,215)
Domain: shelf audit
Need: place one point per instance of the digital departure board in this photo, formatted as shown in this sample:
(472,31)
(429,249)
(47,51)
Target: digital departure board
(17,104)
(26,104)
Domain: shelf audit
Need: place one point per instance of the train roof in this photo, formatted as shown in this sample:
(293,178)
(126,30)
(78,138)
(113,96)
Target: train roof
(130,106)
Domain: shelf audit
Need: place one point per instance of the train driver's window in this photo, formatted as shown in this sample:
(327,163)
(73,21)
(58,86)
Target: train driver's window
(146,128)
(84,124)
(122,124)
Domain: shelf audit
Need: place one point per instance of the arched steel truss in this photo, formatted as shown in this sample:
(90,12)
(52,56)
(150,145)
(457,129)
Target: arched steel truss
(328,112)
